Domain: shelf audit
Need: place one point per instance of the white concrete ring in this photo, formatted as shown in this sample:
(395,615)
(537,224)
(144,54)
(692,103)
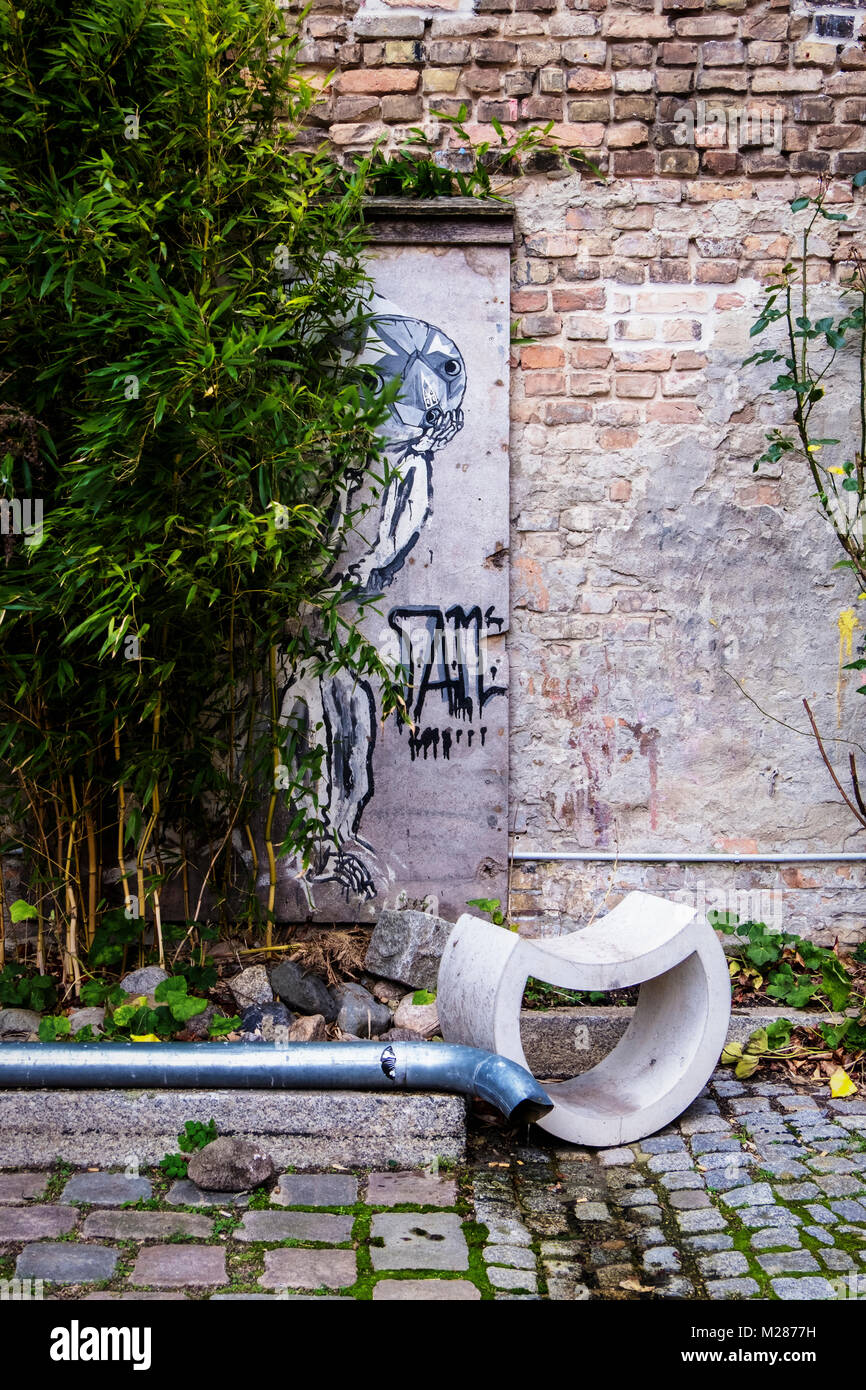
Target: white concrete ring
(671,1046)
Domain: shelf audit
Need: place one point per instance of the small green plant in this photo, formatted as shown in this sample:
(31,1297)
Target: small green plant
(767,959)
(219,1027)
(492,907)
(18,990)
(193,1137)
(54,1027)
(424,996)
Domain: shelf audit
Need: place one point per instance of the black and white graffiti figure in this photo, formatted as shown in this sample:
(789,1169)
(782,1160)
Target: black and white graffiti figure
(425,416)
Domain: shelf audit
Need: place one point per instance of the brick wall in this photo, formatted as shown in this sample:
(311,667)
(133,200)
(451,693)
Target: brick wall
(670,607)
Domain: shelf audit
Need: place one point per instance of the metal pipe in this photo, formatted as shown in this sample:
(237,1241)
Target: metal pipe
(362,1066)
(522,856)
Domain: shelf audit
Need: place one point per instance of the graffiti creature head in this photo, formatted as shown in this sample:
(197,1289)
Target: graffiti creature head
(426,413)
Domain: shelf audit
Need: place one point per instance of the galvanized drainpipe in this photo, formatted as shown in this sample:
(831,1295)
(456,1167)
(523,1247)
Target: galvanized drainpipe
(361,1066)
(522,856)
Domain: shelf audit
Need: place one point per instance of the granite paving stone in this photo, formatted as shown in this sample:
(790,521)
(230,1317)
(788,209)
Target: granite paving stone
(679,1162)
(758,1194)
(185,1193)
(516,1255)
(315,1190)
(22,1187)
(181,1266)
(512,1278)
(591,1211)
(700,1220)
(789,1262)
(775,1238)
(146,1225)
(614,1158)
(419,1189)
(412,1241)
(709,1243)
(837,1259)
(324,1227)
(295,1268)
(425,1290)
(33,1223)
(106,1189)
(808,1288)
(664,1257)
(64,1262)
(726,1264)
(732,1288)
(690,1200)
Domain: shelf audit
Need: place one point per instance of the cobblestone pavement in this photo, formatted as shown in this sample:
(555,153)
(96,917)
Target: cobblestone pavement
(758,1192)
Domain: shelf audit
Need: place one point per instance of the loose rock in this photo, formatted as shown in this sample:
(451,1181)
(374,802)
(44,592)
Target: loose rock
(143,981)
(408,946)
(359,1013)
(304,993)
(18,1024)
(401,1035)
(386,990)
(231,1165)
(81,1018)
(421,1018)
(251,986)
(310,1028)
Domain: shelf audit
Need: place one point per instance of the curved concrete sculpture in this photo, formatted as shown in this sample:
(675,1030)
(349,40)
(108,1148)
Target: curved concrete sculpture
(678,1029)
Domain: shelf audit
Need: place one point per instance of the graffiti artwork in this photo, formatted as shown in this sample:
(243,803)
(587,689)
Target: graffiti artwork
(453,676)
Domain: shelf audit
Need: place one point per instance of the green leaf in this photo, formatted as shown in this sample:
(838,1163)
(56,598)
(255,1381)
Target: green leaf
(837,983)
(424,996)
(799,203)
(21,911)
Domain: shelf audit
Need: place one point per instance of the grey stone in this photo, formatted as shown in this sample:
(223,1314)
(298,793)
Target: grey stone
(829,1163)
(407,946)
(316,1190)
(679,1162)
(181,1266)
(359,1012)
(709,1243)
(714,1143)
(732,1288)
(663,1144)
(789,1262)
(251,986)
(32,1223)
(184,1193)
(309,1269)
(425,1291)
(146,1225)
(512,1278)
(642,1198)
(614,1158)
(304,993)
(797,1192)
(308,1028)
(676,1288)
(690,1200)
(662,1257)
(755,1217)
(325,1227)
(106,1189)
(758,1194)
(818,1233)
(700,1220)
(838,1185)
(810,1288)
(774,1237)
(421,1018)
(849,1210)
(143,981)
(63,1262)
(411,1241)
(518,1256)
(725,1264)
(505,1230)
(785,1168)
(308,1129)
(417,1189)
(705,1124)
(18,1023)
(22,1187)
(822,1215)
(231,1165)
(591,1211)
(682,1182)
(838,1260)
(83,1018)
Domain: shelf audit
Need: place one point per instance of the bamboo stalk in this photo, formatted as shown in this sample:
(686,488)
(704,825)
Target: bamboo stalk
(71,900)
(90,832)
(121,820)
(272,803)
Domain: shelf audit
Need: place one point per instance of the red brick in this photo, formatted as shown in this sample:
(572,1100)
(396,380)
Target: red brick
(590,357)
(626,135)
(378,80)
(567,301)
(679,54)
(620,488)
(719,161)
(589,384)
(534,357)
(528,301)
(669,272)
(588,80)
(771,26)
(674,412)
(544,384)
(635,384)
(653,360)
(633,163)
(493,51)
(683,162)
(635,26)
(567,413)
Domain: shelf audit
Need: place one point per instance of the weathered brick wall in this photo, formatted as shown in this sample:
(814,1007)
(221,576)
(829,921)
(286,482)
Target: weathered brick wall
(663,594)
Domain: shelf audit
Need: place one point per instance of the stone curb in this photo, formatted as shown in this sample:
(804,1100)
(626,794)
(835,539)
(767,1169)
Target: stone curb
(560,1043)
